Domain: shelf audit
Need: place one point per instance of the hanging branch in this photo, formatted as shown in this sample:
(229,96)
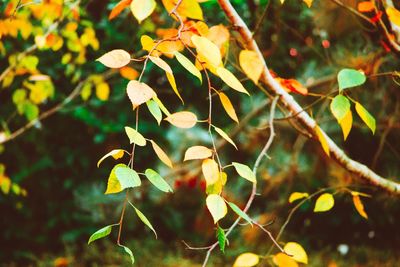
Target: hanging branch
(303,118)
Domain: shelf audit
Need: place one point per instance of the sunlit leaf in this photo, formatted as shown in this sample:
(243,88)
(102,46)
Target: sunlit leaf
(394,15)
(322,139)
(187,8)
(340,106)
(348,78)
(139,93)
(188,65)
(171,80)
(197,152)
(231,80)
(207,49)
(296,251)
(158,181)
(283,260)
(217,207)
(127,177)
(141,9)
(103,232)
(251,65)
(210,171)
(296,196)
(240,212)
(366,117)
(245,172)
(359,205)
(115,59)
(324,202)
(182,119)
(161,154)
(144,219)
(117,9)
(230,110)
(225,136)
(247,259)
(346,124)
(115,153)
(135,137)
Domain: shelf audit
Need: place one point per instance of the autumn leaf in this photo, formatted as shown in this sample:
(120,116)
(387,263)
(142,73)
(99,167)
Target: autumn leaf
(128,73)
(182,119)
(226,103)
(217,207)
(283,260)
(210,171)
(139,93)
(366,6)
(296,196)
(115,59)
(161,154)
(141,9)
(358,204)
(251,65)
(247,259)
(208,50)
(296,251)
(187,8)
(117,9)
(115,153)
(197,152)
(231,80)
(322,139)
(324,203)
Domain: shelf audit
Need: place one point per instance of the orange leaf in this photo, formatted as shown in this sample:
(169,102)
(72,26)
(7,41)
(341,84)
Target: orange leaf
(128,73)
(118,8)
(359,205)
(366,6)
(292,85)
(283,260)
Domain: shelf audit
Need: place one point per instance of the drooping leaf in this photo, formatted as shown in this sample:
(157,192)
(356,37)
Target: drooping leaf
(240,212)
(154,110)
(348,78)
(188,65)
(251,65)
(115,153)
(230,110)
(225,136)
(296,196)
(359,205)
(346,124)
(210,171)
(161,154)
(296,251)
(221,239)
(139,93)
(117,9)
(129,252)
(158,181)
(324,202)
(141,9)
(322,139)
(340,106)
(366,117)
(247,259)
(207,49)
(135,137)
(144,219)
(182,119)
(217,207)
(103,232)
(161,106)
(115,59)
(127,177)
(197,152)
(171,80)
(245,172)
(231,80)
(283,260)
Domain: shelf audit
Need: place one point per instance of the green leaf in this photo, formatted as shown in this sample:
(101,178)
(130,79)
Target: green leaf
(340,105)
(129,252)
(161,106)
(348,78)
(245,172)
(157,180)
(217,207)
(31,111)
(127,177)
(188,65)
(366,117)
(324,202)
(143,218)
(103,232)
(135,137)
(241,213)
(154,110)
(221,239)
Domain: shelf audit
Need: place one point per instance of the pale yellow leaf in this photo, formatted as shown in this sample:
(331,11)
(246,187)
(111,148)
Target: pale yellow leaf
(139,93)
(227,104)
(161,154)
(182,119)
(225,136)
(207,49)
(359,205)
(197,152)
(188,65)
(217,207)
(322,139)
(115,59)
(251,65)
(231,80)
(115,153)
(283,260)
(296,196)
(247,259)
(324,203)
(346,124)
(210,171)
(296,251)
(141,9)
(161,63)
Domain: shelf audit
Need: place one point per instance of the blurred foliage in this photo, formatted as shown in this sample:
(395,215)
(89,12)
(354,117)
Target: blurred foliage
(54,197)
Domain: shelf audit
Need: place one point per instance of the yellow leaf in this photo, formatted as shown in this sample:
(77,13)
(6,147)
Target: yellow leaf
(113,185)
(367,118)
(322,139)
(308,2)
(251,65)
(197,152)
(219,35)
(188,65)
(226,103)
(296,251)
(161,154)
(102,91)
(128,73)
(247,259)
(359,205)
(171,80)
(225,136)
(115,59)
(394,15)
(324,202)
(207,49)
(217,207)
(187,8)
(141,9)
(182,119)
(346,124)
(210,171)
(231,80)
(115,153)
(283,260)
(139,93)
(296,196)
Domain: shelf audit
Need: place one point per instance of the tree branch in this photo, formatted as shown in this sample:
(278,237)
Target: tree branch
(303,118)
